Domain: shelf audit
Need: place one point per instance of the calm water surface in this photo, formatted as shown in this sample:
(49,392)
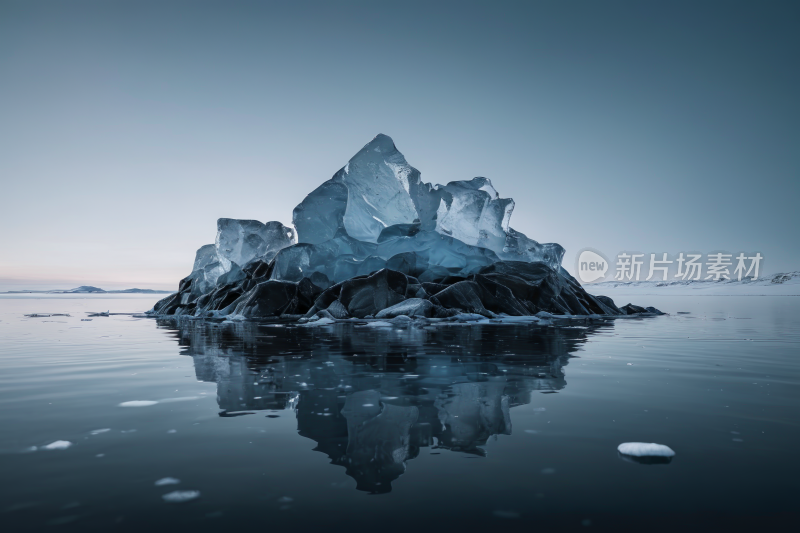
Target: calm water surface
(398,429)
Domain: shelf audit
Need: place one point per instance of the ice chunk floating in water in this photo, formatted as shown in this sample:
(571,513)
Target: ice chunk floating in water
(138,403)
(167,481)
(180,496)
(58,445)
(646,452)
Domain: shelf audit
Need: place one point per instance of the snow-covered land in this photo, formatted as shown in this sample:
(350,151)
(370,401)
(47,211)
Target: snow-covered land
(88,289)
(787,284)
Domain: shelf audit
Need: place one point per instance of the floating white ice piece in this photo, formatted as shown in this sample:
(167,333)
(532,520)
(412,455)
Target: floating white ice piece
(167,481)
(138,403)
(645,449)
(180,496)
(98,431)
(58,445)
(324,321)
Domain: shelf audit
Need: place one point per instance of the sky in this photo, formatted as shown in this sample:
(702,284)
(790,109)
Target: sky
(128,128)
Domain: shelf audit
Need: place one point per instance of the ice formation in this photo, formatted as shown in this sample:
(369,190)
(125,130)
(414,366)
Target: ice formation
(374,236)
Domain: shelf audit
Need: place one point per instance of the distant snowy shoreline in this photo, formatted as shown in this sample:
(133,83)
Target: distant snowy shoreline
(784,284)
(88,290)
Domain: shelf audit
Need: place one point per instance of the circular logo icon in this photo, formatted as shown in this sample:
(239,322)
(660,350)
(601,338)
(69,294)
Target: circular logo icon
(591,266)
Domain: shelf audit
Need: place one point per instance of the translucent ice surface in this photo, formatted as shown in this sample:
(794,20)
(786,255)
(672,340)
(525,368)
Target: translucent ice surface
(371,192)
(473,212)
(241,241)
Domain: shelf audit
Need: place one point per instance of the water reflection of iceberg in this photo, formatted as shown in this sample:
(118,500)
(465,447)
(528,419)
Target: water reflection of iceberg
(371,398)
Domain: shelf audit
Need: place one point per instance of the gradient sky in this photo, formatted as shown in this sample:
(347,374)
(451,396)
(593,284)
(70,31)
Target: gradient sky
(128,128)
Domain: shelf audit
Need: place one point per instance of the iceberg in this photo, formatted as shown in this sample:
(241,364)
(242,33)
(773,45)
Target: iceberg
(376,241)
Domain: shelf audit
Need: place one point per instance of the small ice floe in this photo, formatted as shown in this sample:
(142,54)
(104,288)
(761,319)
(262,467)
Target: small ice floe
(57,445)
(138,403)
(172,431)
(468,317)
(645,452)
(167,481)
(180,496)
(285,503)
(379,324)
(99,431)
(324,321)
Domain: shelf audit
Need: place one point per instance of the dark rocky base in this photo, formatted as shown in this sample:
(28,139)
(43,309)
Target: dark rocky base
(503,288)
